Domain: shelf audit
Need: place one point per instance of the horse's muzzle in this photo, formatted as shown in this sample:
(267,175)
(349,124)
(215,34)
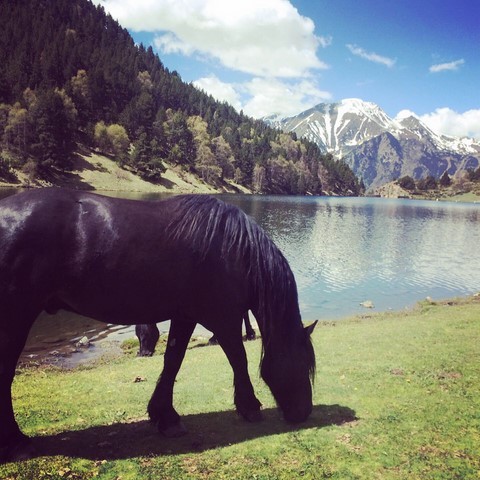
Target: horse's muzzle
(297,414)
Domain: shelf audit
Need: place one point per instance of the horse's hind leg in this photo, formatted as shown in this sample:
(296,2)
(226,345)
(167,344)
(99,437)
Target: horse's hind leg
(249,331)
(13,443)
(160,407)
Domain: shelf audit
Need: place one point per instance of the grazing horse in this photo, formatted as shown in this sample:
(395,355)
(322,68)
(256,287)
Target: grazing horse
(188,259)
(148,336)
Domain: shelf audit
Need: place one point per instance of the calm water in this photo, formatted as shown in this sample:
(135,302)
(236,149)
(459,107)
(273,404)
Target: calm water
(344,251)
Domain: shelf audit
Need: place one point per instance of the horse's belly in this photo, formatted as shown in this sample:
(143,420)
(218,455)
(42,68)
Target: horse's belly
(165,285)
(125,306)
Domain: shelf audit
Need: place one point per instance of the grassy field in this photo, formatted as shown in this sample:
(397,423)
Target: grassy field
(397,396)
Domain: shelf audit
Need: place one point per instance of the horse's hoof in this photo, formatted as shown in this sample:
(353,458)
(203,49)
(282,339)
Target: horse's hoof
(174,431)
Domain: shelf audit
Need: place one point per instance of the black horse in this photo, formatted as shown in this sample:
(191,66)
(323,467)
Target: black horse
(148,336)
(188,258)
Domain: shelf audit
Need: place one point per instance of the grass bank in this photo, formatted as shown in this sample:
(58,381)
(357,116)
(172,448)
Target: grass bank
(397,397)
(94,171)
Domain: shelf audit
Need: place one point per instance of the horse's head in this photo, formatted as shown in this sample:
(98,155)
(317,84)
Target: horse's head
(288,369)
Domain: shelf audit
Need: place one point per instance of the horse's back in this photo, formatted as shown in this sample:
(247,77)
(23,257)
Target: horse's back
(118,260)
(32,240)
(34,217)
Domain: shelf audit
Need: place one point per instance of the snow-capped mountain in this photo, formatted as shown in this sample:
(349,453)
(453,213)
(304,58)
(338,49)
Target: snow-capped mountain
(379,148)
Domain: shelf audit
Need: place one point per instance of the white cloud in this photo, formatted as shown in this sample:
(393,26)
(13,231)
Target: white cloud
(445,67)
(371,56)
(267,96)
(225,92)
(170,43)
(447,121)
(262,38)
(405,114)
(266,39)
(261,97)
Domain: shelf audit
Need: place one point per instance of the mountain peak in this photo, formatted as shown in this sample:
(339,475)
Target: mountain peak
(337,127)
(354,105)
(412,122)
(358,104)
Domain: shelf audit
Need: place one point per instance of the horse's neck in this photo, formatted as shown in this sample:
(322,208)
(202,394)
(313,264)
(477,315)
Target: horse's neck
(280,325)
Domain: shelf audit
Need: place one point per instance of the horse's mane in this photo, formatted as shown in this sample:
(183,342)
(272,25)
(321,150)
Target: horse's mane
(207,223)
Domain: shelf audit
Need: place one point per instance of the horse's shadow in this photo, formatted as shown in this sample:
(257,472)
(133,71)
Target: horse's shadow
(206,431)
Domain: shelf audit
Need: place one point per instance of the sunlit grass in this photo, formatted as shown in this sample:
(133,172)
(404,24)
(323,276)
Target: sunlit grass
(397,397)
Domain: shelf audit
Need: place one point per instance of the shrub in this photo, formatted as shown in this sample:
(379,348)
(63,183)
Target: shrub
(407,182)
(445,180)
(428,183)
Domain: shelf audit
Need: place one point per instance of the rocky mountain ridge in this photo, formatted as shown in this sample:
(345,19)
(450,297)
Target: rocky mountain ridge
(379,148)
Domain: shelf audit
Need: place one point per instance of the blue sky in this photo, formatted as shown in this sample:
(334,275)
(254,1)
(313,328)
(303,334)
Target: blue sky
(284,56)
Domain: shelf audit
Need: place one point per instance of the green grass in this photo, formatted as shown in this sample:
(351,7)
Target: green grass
(465,197)
(397,397)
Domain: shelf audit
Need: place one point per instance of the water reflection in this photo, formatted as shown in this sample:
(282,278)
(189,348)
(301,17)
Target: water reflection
(393,252)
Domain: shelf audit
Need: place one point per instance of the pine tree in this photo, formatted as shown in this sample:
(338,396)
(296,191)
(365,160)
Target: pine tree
(445,180)
(53,132)
(180,140)
(144,160)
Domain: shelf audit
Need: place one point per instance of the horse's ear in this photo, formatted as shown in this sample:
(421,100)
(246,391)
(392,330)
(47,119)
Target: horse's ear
(309,330)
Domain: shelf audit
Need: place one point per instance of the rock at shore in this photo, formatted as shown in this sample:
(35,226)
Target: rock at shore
(392,190)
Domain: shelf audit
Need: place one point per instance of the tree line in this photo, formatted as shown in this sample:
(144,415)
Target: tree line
(70,75)
(431,183)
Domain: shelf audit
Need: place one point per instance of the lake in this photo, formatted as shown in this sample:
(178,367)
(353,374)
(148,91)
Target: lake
(343,252)
(392,252)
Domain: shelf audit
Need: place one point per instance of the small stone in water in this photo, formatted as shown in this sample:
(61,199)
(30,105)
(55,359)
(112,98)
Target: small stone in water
(83,342)
(367,304)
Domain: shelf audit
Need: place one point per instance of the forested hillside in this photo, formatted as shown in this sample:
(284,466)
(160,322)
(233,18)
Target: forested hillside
(71,77)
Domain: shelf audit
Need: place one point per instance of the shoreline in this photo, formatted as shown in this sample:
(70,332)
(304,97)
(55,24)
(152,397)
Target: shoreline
(98,173)
(467,197)
(68,356)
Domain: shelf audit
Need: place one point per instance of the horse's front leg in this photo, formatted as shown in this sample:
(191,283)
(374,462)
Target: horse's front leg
(14,444)
(247,404)
(160,407)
